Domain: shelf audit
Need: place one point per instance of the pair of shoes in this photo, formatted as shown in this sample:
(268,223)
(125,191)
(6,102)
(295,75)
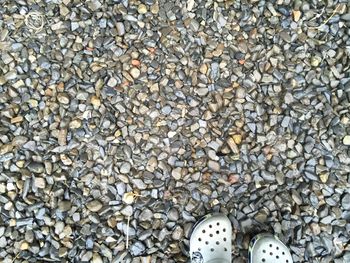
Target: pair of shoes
(211,238)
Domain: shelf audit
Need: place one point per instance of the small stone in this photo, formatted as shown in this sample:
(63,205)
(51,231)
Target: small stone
(37,168)
(62,137)
(345,17)
(129,198)
(11,75)
(3,242)
(173,214)
(96,258)
(64,206)
(120,28)
(345,202)
(94,5)
(324,177)
(202,91)
(65,159)
(127,211)
(137,248)
(75,124)
(346,140)
(135,73)
(285,121)
(95,101)
(112,82)
(233,178)
(63,98)
(94,206)
(237,138)
(177,233)
(296,15)
(40,182)
(315,61)
(231,142)
(240,93)
(146,215)
(24,246)
(142,9)
(16,119)
(176,173)
(155,8)
(125,168)
(215,166)
(203,69)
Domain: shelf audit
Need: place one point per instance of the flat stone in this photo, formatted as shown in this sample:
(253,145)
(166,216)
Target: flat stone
(135,73)
(125,168)
(40,182)
(176,173)
(346,140)
(215,166)
(35,167)
(137,249)
(94,206)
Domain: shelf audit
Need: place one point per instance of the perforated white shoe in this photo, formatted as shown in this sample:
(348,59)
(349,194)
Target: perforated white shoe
(266,248)
(211,240)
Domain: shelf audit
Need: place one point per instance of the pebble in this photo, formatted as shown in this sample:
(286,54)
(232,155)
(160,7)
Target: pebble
(176,173)
(215,166)
(346,202)
(137,249)
(142,9)
(125,168)
(112,82)
(346,140)
(37,168)
(63,98)
(135,73)
(40,182)
(94,206)
(120,28)
(95,101)
(173,214)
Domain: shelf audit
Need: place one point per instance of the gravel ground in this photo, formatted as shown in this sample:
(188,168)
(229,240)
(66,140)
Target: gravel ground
(122,122)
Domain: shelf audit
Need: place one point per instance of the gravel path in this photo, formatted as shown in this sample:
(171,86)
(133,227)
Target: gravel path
(122,122)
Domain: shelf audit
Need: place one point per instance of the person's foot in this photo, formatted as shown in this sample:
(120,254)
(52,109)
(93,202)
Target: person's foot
(210,241)
(266,248)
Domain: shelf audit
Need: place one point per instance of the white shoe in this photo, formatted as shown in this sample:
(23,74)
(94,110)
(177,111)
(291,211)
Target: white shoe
(211,240)
(266,248)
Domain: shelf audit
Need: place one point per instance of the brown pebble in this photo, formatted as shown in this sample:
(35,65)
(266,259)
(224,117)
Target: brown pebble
(17,119)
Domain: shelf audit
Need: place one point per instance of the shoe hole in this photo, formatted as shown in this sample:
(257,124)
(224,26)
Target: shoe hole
(264,251)
(218,223)
(263,260)
(199,239)
(217,232)
(206,242)
(277,257)
(217,242)
(277,248)
(211,235)
(271,253)
(270,245)
(225,239)
(282,253)
(212,249)
(203,231)
(210,226)
(224,230)
(225,249)
(199,249)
